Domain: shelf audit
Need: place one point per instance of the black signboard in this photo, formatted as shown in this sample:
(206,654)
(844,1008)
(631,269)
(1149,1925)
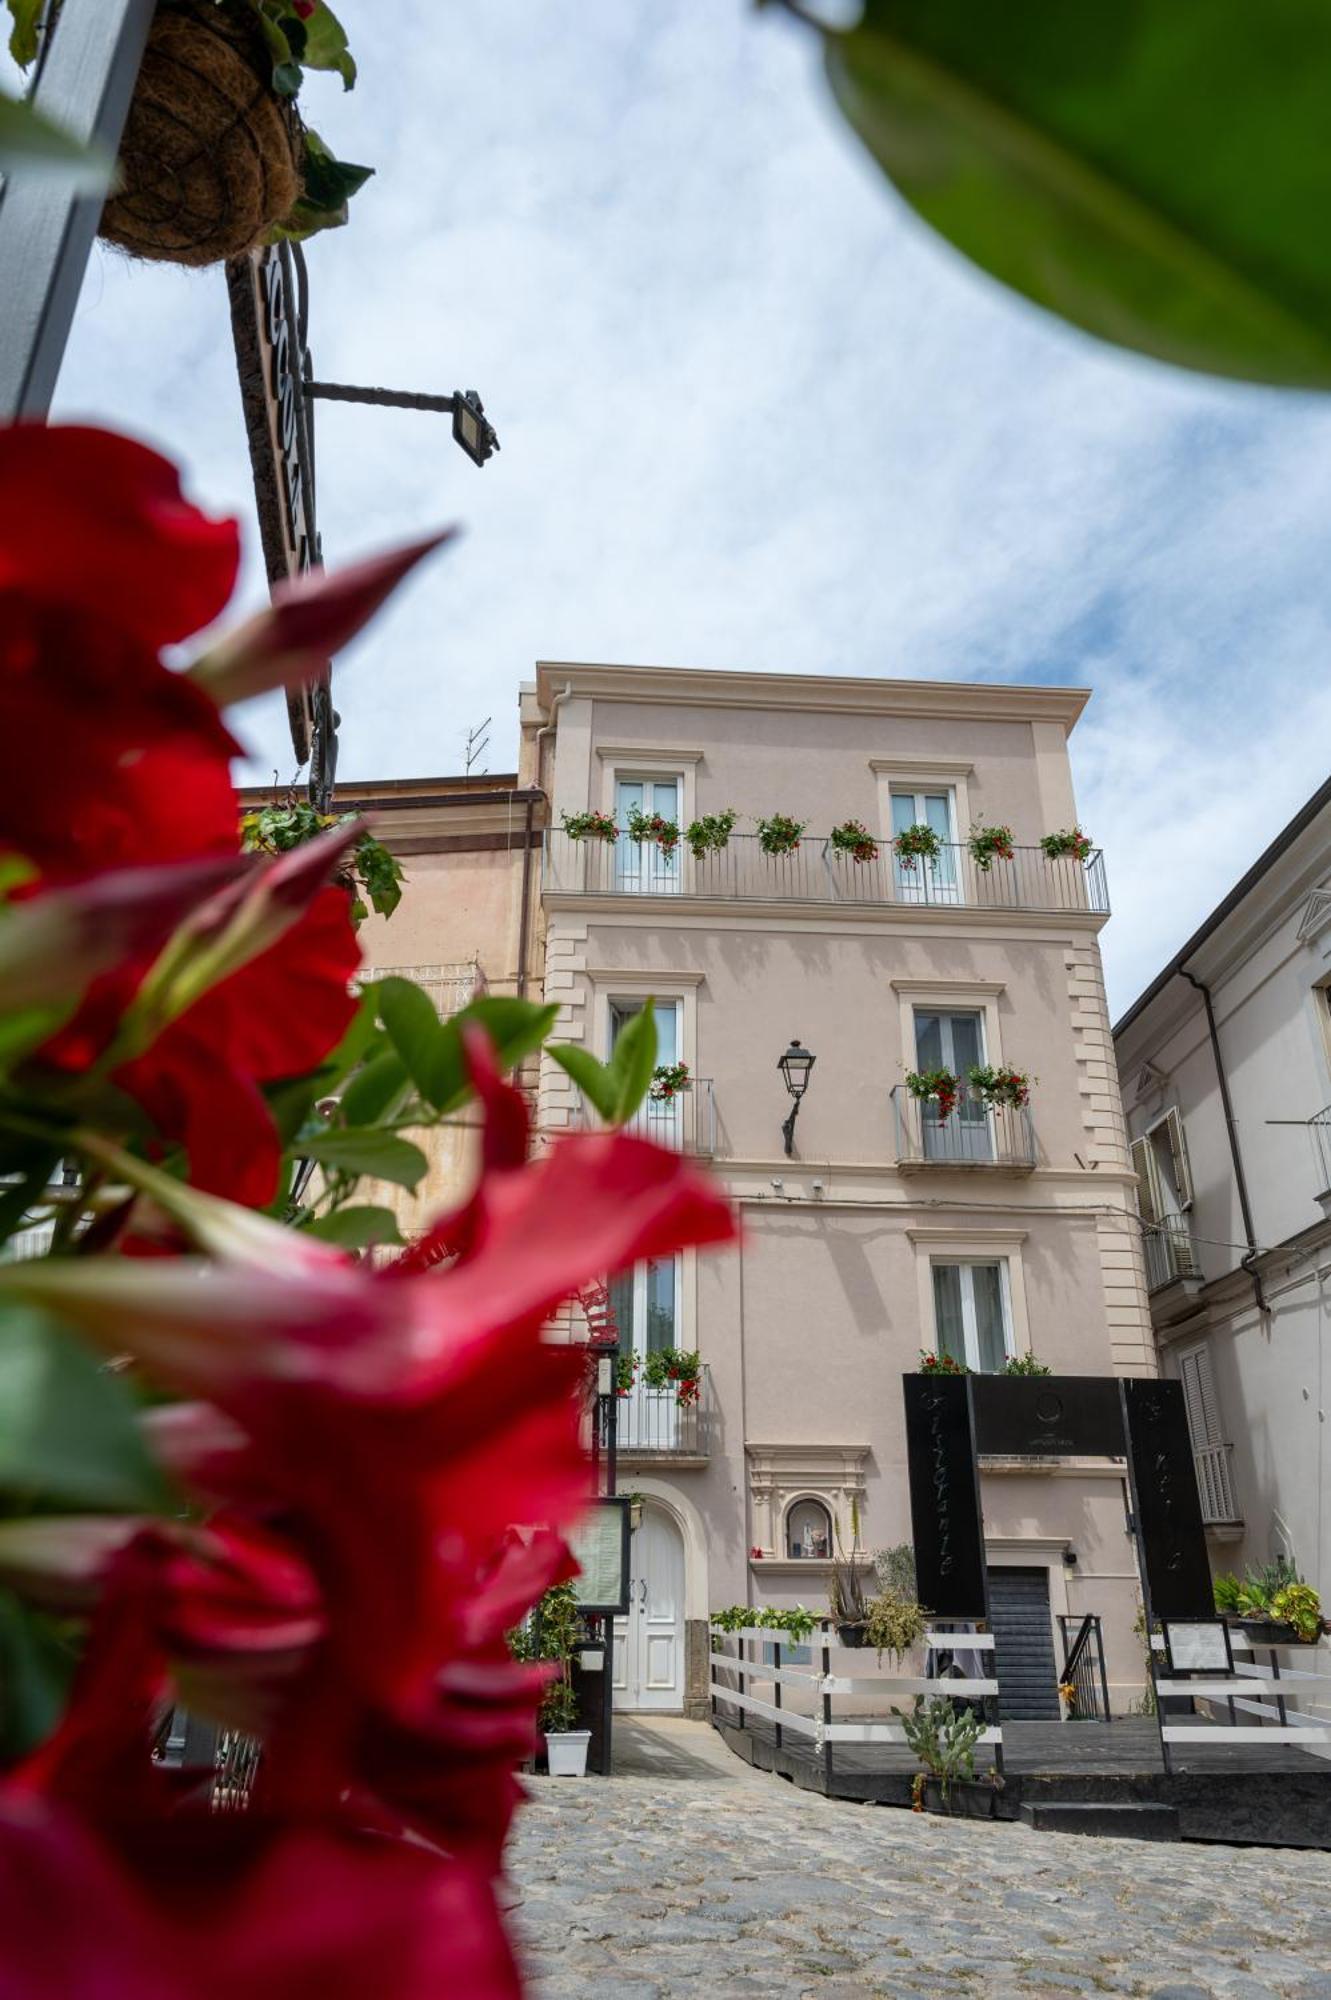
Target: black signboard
(1170,1535)
(1048,1416)
(944,1496)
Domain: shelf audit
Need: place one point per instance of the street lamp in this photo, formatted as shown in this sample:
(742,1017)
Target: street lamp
(794,1066)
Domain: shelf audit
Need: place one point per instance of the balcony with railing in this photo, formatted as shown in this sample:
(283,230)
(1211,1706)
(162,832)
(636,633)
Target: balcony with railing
(1170,1255)
(1320,1127)
(816,873)
(654,1424)
(1215,1484)
(975,1134)
(685,1122)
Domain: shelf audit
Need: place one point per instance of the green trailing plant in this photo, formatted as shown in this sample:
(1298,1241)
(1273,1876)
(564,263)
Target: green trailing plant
(854,839)
(794,1620)
(1146,1704)
(943,1739)
(990,843)
(780,834)
(916,843)
(711,833)
(590,826)
(1069,843)
(373,874)
(674,1368)
(1025,1364)
(1001,1086)
(652,830)
(895,1569)
(893,1623)
(668,1081)
(937,1085)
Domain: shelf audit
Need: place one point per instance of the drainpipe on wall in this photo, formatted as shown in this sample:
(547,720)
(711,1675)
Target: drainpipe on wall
(548,728)
(1246,1262)
(525,916)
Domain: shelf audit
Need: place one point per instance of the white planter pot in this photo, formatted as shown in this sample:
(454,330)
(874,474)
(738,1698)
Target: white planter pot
(567,1753)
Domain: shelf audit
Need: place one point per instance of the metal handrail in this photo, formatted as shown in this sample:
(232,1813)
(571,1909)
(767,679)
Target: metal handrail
(656,1423)
(975,1134)
(1091,1689)
(815,872)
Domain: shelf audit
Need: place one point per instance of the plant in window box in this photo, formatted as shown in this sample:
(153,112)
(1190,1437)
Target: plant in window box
(1025,1364)
(988,843)
(668,1080)
(590,826)
(938,1086)
(941,1364)
(710,834)
(854,839)
(917,843)
(626,1369)
(1011,1087)
(651,830)
(780,834)
(672,1367)
(1069,843)
(1272,1603)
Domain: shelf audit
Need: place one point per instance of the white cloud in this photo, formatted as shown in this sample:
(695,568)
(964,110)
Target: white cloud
(753,416)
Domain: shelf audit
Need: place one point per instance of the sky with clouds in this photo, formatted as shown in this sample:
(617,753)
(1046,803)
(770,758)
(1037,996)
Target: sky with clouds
(753,416)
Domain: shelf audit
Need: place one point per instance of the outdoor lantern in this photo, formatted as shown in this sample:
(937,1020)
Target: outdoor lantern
(794,1066)
(472,429)
(605,1375)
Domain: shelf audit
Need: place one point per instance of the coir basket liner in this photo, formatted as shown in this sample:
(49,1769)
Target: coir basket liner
(208,162)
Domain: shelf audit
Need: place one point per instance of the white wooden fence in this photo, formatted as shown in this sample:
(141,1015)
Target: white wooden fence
(1268,1691)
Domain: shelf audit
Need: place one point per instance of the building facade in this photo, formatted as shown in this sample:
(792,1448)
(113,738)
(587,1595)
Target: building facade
(887,1230)
(1225,1065)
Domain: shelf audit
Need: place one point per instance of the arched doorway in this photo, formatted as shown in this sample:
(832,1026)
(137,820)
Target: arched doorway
(649,1641)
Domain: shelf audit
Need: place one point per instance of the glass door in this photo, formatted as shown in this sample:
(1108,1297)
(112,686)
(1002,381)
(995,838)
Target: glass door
(953,1042)
(971,1315)
(926,881)
(642,867)
(646,1308)
(659,1119)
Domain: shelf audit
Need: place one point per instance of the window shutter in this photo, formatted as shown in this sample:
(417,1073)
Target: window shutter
(1143,1162)
(1200,1397)
(1178,1147)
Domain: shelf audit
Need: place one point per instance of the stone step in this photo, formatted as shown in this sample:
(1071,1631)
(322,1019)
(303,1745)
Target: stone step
(1135,1820)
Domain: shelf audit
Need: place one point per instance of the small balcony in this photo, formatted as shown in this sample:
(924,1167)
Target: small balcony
(1215,1484)
(1170,1255)
(686,1122)
(816,873)
(652,1424)
(1000,1137)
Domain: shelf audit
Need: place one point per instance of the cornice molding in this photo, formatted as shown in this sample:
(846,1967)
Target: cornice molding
(831,694)
(639,978)
(649,753)
(988,988)
(921,767)
(955,919)
(966,1230)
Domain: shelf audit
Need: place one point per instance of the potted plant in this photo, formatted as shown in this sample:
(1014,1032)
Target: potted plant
(917,843)
(710,834)
(650,829)
(854,839)
(938,1086)
(986,842)
(1067,842)
(672,1366)
(1025,1364)
(943,1738)
(780,834)
(626,1369)
(1272,1604)
(558,1634)
(215,158)
(1001,1086)
(846,1592)
(941,1364)
(590,826)
(893,1623)
(668,1080)
(371,874)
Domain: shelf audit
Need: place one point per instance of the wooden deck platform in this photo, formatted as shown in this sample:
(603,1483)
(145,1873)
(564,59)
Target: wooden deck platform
(1242,1793)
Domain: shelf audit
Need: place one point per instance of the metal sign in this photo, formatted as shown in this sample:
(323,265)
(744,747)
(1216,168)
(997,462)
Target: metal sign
(1048,1416)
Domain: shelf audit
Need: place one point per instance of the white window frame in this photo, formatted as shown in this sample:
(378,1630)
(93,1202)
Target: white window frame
(639,1278)
(969,1322)
(974,1246)
(949,997)
(918,775)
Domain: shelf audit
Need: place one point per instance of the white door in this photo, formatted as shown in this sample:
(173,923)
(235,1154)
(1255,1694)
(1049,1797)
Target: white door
(649,1642)
(643,865)
(953,1042)
(927,881)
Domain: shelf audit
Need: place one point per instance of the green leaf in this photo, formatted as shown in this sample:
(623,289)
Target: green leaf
(30,144)
(1156,173)
(326,44)
(408,1013)
(356,1228)
(514,1027)
(26,1030)
(23,35)
(594,1079)
(633,1062)
(69,1430)
(361,1042)
(37,1665)
(381,1154)
(292,1103)
(370,1093)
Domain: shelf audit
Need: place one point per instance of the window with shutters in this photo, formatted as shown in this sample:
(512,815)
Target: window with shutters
(1210,1448)
(1164,1196)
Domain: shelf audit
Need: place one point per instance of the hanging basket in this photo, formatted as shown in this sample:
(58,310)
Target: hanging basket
(208,162)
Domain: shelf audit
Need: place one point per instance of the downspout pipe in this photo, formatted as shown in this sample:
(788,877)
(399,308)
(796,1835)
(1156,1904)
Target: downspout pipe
(1248,1261)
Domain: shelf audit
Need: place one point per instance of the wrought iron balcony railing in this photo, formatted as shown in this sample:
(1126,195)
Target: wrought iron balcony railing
(975,1134)
(1169,1253)
(816,873)
(1215,1484)
(654,1423)
(685,1122)
(1320,1127)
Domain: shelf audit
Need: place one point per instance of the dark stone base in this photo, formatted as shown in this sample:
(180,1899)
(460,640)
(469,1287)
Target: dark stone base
(697,1669)
(1109,1819)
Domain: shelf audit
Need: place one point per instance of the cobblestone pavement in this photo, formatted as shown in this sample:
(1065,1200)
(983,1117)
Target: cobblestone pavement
(687,1872)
